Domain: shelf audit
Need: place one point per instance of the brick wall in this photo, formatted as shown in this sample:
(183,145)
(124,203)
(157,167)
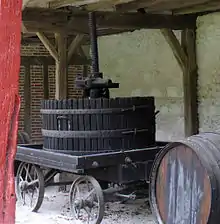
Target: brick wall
(37,87)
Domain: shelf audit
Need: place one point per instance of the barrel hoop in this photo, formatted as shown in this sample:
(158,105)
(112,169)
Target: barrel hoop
(91,134)
(93,111)
(77,153)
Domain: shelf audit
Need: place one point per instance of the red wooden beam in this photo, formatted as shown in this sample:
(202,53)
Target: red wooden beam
(10,37)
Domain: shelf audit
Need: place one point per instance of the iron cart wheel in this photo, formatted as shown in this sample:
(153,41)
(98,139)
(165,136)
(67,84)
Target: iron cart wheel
(87,200)
(30,186)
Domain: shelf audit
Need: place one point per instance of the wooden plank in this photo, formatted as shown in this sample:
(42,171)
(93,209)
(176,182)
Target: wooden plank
(61,67)
(48,45)
(27,98)
(55,4)
(133,5)
(160,5)
(199,8)
(176,47)
(55,27)
(45,80)
(37,60)
(74,45)
(190,77)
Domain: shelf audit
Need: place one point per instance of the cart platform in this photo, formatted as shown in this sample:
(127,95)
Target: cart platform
(34,154)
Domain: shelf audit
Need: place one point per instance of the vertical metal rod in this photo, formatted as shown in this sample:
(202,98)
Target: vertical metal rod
(94,44)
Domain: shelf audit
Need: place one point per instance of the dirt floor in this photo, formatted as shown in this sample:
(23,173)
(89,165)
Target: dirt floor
(55,210)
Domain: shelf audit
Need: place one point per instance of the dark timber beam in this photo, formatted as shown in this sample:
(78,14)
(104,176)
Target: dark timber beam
(57,21)
(199,8)
(48,45)
(190,77)
(148,21)
(74,45)
(37,60)
(176,47)
(27,98)
(152,5)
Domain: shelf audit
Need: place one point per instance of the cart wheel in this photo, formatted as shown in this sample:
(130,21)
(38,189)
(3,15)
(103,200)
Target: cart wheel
(87,200)
(30,186)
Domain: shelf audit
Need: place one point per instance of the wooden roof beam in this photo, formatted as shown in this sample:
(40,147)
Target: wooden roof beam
(204,7)
(48,45)
(74,45)
(54,22)
(176,47)
(55,4)
(160,5)
(38,60)
(145,21)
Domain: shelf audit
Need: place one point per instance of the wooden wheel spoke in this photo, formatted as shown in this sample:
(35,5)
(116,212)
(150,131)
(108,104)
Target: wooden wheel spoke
(78,212)
(30,177)
(33,182)
(23,198)
(31,195)
(27,171)
(89,194)
(87,183)
(95,203)
(88,210)
(78,191)
(88,213)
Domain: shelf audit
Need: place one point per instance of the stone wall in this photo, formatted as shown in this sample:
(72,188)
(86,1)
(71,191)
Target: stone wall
(208,56)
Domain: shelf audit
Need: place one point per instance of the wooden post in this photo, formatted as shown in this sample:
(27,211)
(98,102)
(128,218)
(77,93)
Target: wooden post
(45,80)
(27,99)
(185,54)
(10,38)
(61,67)
(190,77)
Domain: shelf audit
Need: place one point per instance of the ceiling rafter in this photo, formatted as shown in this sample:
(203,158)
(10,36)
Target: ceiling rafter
(76,22)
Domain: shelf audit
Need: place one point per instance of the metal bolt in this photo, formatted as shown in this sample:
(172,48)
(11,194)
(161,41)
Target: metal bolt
(95,164)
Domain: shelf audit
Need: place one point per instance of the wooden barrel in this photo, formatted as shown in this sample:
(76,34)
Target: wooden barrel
(83,126)
(185,181)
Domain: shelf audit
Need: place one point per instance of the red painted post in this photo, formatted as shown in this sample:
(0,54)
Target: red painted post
(10,35)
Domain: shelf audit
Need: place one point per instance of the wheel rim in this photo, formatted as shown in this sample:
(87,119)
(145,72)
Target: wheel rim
(87,200)
(30,186)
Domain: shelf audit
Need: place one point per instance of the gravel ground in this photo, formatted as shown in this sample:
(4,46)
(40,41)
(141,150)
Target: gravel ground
(55,210)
